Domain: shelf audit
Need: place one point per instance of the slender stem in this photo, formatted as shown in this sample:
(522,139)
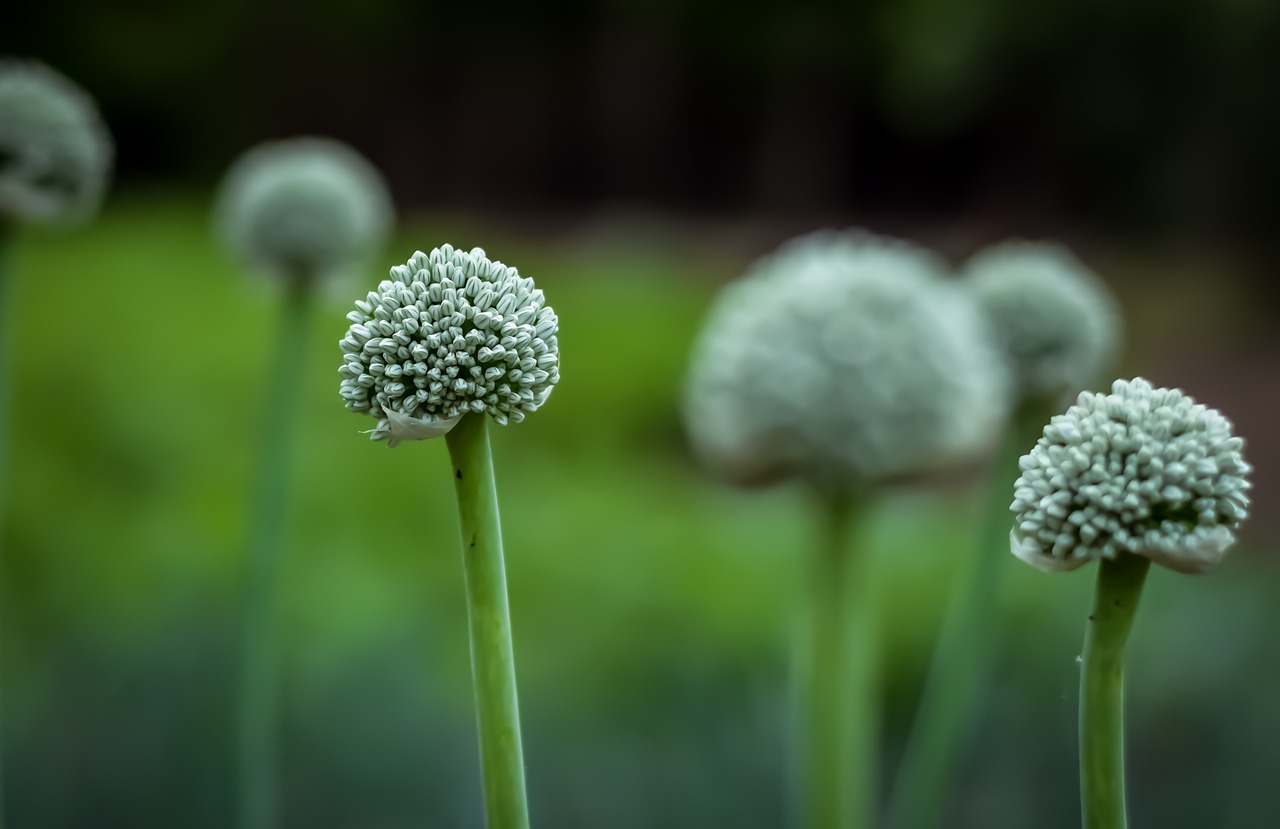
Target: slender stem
(944,722)
(257,711)
(493,669)
(836,670)
(1119,586)
(6,380)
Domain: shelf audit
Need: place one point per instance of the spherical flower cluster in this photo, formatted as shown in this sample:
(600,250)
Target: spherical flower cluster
(303,208)
(1057,322)
(842,358)
(449,333)
(1142,470)
(55,152)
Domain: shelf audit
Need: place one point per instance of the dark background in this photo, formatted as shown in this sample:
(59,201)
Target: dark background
(1139,117)
(631,156)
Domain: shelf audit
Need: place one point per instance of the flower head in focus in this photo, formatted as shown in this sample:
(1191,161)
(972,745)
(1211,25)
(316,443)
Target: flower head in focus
(842,358)
(1141,470)
(1057,322)
(303,207)
(55,151)
(449,333)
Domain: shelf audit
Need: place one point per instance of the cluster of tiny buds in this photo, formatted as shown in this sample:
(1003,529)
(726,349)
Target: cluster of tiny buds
(1141,471)
(450,333)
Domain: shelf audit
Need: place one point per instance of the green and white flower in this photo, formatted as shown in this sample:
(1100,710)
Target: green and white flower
(1057,323)
(303,208)
(842,357)
(1140,470)
(55,151)
(450,332)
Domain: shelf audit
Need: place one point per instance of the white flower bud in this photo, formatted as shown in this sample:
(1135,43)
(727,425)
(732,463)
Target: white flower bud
(842,358)
(1142,470)
(1058,324)
(443,360)
(55,152)
(308,207)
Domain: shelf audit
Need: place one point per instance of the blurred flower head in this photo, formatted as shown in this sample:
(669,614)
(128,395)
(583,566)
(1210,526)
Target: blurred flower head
(1057,322)
(449,333)
(1141,470)
(55,152)
(304,207)
(842,358)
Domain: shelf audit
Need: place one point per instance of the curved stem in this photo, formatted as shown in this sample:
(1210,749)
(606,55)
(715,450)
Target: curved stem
(493,670)
(944,721)
(257,704)
(1119,587)
(837,682)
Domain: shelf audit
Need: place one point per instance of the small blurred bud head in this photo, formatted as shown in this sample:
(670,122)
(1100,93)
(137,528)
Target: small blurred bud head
(1057,323)
(303,208)
(55,151)
(843,358)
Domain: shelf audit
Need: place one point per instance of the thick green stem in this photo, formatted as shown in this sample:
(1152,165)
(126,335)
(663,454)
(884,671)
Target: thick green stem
(944,717)
(1119,586)
(838,780)
(493,669)
(6,381)
(257,705)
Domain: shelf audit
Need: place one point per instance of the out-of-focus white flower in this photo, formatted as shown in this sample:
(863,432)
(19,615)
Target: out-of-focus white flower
(842,358)
(303,208)
(55,151)
(1057,322)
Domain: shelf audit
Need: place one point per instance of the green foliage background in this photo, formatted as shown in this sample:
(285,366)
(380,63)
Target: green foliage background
(652,609)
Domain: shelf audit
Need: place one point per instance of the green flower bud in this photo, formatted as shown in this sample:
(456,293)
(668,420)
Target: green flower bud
(55,152)
(1142,470)
(449,333)
(305,207)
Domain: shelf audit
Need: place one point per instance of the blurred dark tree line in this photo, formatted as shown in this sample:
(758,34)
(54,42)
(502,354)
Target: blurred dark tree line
(1149,116)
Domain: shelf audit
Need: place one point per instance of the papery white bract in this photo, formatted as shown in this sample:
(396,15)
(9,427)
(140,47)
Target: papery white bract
(403,427)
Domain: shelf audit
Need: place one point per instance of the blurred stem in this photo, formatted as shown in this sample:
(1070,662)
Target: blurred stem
(944,718)
(1119,587)
(257,704)
(493,669)
(837,675)
(6,381)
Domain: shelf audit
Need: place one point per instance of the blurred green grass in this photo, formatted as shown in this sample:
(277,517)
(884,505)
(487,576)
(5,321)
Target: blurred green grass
(652,609)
